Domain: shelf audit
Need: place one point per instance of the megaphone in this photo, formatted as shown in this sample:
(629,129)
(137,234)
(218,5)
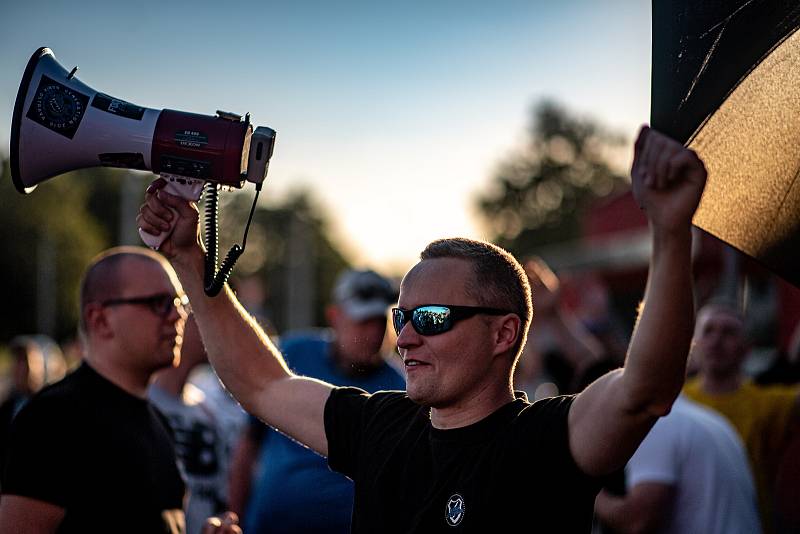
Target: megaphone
(61,124)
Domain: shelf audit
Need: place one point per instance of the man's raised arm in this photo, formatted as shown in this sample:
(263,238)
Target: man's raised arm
(249,364)
(610,418)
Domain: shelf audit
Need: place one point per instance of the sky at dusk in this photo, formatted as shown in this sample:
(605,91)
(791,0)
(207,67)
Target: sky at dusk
(394,114)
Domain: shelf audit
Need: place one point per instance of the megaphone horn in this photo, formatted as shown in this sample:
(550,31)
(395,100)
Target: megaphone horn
(61,124)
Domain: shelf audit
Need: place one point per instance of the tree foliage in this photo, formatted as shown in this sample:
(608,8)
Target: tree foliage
(538,194)
(53,218)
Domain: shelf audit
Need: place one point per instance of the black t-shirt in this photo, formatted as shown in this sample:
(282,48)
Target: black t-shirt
(512,471)
(8,410)
(105,456)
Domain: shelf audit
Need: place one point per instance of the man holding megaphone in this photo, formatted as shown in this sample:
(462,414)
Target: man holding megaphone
(458,448)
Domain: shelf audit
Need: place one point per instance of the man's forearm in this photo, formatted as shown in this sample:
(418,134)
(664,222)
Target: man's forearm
(243,356)
(637,513)
(610,510)
(26,515)
(656,364)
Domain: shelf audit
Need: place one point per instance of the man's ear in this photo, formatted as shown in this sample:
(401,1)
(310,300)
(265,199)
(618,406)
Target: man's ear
(96,320)
(508,330)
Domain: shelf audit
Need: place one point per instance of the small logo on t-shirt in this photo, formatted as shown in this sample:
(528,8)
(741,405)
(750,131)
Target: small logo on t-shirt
(454,513)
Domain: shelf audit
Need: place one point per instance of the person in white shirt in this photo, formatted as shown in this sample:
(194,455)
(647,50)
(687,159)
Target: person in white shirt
(690,474)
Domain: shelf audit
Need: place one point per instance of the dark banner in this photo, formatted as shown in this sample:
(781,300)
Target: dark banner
(726,82)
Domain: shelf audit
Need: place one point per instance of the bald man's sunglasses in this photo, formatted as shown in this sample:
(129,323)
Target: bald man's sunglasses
(433,319)
(161,304)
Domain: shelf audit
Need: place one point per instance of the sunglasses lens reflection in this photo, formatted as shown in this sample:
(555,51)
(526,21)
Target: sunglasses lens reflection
(430,320)
(398,320)
(426,320)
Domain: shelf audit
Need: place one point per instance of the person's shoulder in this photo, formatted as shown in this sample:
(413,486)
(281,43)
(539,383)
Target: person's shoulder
(53,409)
(548,416)
(377,399)
(557,406)
(392,400)
(351,411)
(542,426)
(59,396)
(381,404)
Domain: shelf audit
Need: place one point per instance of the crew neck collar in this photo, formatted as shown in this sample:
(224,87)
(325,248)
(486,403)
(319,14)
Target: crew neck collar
(486,428)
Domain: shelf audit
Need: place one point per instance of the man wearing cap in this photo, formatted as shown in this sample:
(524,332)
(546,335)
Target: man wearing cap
(292,489)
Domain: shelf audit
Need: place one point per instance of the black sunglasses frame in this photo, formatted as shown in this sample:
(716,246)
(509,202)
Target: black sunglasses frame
(400,317)
(160,304)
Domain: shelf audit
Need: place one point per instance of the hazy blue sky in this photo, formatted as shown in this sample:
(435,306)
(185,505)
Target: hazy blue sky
(395,113)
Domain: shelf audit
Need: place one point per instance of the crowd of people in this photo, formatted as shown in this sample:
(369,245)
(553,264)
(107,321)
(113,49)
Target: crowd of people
(502,407)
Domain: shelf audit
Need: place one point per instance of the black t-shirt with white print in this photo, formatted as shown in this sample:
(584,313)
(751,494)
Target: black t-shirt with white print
(511,470)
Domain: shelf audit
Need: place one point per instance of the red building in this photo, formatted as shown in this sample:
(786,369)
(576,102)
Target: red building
(615,250)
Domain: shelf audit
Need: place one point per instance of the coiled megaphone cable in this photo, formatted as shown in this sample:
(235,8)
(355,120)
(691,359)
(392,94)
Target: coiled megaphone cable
(214,279)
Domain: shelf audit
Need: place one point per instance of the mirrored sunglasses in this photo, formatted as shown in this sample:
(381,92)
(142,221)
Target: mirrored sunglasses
(433,319)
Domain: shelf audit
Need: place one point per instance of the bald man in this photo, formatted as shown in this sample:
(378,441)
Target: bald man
(89,453)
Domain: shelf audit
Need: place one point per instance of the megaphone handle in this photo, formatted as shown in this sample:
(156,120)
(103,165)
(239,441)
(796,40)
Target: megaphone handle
(187,188)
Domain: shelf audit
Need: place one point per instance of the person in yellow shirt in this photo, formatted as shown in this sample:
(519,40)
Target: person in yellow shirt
(763,416)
